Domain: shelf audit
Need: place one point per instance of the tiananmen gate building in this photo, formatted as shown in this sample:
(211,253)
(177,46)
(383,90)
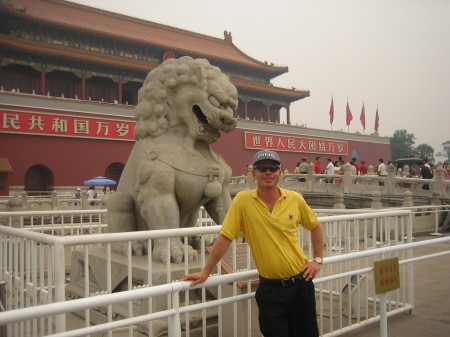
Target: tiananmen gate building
(70,75)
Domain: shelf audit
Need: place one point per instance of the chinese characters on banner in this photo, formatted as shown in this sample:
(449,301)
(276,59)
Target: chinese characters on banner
(387,275)
(294,144)
(65,125)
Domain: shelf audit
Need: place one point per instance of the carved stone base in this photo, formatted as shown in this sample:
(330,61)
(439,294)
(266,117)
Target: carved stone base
(119,282)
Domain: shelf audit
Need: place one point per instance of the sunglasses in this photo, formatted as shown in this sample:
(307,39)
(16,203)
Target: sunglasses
(263,169)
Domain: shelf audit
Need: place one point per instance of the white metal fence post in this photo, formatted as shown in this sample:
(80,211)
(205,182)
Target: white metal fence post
(410,267)
(383,316)
(60,280)
(175,322)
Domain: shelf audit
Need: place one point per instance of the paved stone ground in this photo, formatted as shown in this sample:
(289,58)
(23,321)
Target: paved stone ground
(431,315)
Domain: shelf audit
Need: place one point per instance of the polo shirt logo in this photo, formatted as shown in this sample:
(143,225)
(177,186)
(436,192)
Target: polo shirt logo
(291,217)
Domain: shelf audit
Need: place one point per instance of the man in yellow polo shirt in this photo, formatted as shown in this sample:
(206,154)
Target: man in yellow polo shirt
(268,218)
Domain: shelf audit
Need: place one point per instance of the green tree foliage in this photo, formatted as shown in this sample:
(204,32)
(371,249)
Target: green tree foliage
(402,144)
(425,151)
(446,152)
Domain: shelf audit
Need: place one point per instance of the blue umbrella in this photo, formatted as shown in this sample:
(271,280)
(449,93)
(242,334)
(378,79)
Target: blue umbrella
(99,181)
(354,154)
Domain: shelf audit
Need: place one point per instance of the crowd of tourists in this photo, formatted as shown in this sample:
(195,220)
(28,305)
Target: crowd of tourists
(422,170)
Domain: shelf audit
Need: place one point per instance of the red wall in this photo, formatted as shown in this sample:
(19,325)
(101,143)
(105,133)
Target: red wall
(71,160)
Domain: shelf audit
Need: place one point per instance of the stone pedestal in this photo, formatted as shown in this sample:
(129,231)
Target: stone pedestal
(119,282)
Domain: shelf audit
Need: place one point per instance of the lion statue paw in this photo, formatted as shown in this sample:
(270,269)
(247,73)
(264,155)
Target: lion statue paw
(160,251)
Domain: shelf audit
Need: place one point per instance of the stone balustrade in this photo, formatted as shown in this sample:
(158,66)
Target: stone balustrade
(23,202)
(354,184)
(372,191)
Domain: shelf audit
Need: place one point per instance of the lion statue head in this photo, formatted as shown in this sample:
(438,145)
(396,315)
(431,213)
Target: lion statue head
(187,96)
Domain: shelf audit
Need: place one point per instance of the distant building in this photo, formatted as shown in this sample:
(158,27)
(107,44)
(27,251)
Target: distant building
(69,77)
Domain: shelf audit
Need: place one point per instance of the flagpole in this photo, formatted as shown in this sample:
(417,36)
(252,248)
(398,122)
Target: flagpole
(331,113)
(362,117)
(349,116)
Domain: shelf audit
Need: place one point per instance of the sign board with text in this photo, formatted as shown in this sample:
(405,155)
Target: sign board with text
(387,275)
(302,144)
(66,125)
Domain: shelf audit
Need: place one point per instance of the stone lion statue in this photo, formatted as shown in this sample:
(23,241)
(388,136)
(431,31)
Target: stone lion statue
(172,170)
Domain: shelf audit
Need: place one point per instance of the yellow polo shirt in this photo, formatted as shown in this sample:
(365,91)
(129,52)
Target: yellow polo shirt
(272,236)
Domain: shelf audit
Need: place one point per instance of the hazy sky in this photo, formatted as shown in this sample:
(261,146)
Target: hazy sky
(390,53)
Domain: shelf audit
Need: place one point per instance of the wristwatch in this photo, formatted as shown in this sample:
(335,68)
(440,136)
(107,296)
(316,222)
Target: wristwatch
(319,260)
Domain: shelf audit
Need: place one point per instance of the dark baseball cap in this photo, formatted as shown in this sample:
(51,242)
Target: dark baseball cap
(265,155)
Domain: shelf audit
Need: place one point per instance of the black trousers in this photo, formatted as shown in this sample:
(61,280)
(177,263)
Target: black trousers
(287,311)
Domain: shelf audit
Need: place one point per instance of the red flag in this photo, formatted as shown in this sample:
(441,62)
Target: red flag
(349,115)
(377,121)
(362,118)
(331,111)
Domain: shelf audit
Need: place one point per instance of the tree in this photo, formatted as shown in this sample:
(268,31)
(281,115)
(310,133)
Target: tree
(446,152)
(425,151)
(402,144)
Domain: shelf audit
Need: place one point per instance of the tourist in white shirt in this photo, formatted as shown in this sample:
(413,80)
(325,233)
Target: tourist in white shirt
(329,170)
(382,171)
(330,167)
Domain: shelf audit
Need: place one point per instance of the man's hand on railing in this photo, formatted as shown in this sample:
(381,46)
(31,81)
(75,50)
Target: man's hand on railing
(217,252)
(197,278)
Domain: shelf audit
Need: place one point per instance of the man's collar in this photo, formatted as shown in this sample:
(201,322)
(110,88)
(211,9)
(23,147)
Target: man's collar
(254,193)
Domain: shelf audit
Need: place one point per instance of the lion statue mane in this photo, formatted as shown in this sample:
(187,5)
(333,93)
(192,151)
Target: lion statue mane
(172,170)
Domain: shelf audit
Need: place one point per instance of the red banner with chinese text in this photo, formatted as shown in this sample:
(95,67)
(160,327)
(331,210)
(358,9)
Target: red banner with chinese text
(65,125)
(262,141)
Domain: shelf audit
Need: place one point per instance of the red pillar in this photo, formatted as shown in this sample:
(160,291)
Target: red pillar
(245,109)
(119,88)
(83,87)
(288,115)
(42,85)
(268,112)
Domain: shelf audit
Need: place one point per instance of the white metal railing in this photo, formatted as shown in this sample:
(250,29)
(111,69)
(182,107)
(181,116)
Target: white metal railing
(174,289)
(35,267)
(63,222)
(439,215)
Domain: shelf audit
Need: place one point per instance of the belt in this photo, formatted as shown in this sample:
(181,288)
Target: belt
(282,282)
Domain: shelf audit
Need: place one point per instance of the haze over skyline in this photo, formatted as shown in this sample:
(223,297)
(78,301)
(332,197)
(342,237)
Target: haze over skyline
(390,54)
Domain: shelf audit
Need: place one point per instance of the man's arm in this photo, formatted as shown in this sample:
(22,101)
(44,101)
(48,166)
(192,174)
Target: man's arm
(312,268)
(317,240)
(218,251)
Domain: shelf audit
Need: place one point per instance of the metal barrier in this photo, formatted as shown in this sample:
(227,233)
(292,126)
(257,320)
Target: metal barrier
(422,216)
(67,222)
(177,287)
(39,268)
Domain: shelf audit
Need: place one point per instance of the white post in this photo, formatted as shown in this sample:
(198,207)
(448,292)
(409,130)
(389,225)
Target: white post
(436,224)
(175,322)
(60,284)
(410,266)
(383,316)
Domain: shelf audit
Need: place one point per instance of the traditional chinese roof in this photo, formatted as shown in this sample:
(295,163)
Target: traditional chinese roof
(66,52)
(291,93)
(83,18)
(5,166)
